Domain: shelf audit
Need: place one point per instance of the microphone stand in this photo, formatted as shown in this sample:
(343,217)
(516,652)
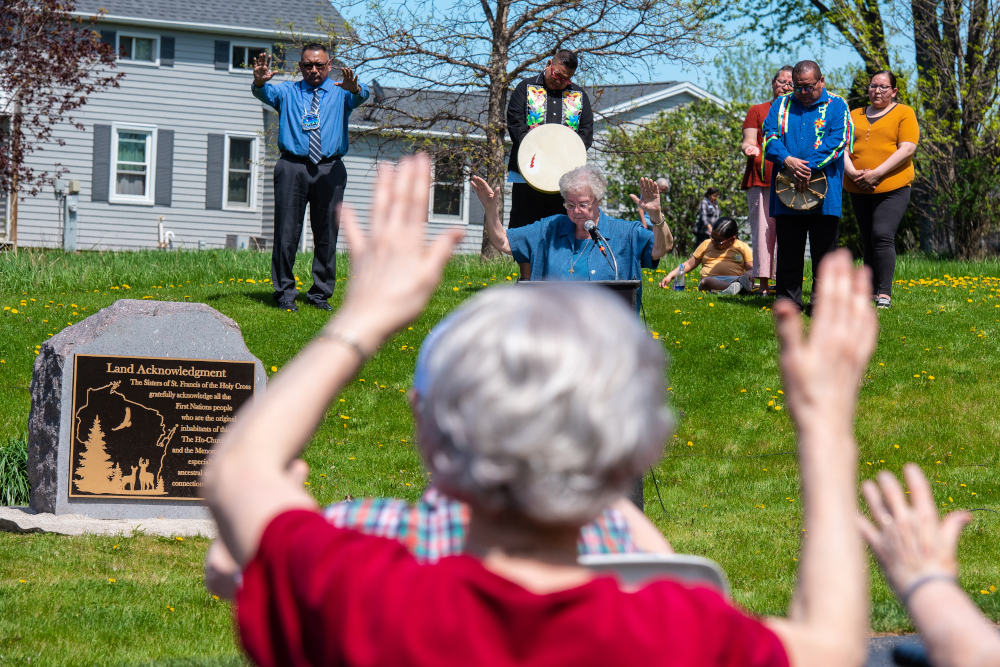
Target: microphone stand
(608,246)
(601,244)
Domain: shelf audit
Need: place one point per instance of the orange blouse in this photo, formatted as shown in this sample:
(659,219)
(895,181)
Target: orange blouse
(874,142)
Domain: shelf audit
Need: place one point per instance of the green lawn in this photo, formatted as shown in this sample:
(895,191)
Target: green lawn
(728,482)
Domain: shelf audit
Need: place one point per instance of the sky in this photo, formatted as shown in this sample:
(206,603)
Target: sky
(830,57)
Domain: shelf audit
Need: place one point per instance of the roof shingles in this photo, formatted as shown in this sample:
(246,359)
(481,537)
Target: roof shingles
(272,15)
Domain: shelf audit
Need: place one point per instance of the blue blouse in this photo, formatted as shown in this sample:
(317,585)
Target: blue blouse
(548,246)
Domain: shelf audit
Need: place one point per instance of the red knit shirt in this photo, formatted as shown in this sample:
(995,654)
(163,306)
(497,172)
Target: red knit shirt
(319,595)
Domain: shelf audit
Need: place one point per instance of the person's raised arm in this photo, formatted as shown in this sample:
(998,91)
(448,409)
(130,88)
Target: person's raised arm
(262,73)
(250,480)
(490,199)
(918,555)
(827,623)
(649,203)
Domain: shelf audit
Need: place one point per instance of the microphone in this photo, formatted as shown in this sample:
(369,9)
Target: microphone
(596,235)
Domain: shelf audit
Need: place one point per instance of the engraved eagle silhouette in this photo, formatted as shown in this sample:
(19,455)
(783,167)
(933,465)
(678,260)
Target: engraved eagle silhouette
(125,422)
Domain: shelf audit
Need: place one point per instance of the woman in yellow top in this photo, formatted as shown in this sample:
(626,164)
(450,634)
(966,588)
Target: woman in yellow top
(879,171)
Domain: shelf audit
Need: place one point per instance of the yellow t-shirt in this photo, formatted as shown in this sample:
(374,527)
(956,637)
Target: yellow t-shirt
(875,142)
(732,261)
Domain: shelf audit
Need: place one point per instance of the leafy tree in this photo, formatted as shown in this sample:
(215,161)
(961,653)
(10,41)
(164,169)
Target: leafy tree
(694,147)
(50,61)
(477,51)
(957,62)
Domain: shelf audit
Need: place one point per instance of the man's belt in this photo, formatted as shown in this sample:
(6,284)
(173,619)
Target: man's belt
(304,159)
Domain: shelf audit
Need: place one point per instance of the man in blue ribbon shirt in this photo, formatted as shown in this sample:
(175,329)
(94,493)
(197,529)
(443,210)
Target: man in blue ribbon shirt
(807,131)
(312,138)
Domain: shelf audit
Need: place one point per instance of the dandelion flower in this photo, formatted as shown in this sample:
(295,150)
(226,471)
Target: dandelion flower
(274,369)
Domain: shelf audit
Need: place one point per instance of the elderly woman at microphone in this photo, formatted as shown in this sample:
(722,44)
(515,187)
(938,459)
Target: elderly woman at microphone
(560,247)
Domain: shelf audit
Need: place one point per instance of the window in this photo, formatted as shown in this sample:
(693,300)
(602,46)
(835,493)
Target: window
(132,149)
(241,153)
(244,56)
(448,192)
(142,49)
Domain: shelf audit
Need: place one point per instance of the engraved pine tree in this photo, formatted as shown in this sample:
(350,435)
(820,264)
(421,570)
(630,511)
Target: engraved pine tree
(94,473)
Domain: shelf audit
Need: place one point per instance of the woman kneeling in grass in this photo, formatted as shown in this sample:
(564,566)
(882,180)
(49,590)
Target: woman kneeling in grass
(726,262)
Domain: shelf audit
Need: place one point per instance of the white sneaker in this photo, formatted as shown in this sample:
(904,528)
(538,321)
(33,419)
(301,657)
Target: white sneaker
(734,288)
(746,282)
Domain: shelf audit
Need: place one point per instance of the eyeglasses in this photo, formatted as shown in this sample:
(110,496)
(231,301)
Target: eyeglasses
(724,241)
(784,84)
(804,89)
(880,89)
(559,77)
(309,66)
(582,206)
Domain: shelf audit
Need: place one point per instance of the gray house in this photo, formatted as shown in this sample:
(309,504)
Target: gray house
(182,143)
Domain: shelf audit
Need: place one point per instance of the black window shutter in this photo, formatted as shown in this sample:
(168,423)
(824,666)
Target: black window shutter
(221,55)
(100,173)
(164,167)
(215,166)
(166,51)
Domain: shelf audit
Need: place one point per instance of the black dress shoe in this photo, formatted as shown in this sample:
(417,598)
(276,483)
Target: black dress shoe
(322,305)
(288,305)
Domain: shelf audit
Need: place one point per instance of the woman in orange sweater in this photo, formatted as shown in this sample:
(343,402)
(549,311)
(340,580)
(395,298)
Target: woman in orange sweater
(879,171)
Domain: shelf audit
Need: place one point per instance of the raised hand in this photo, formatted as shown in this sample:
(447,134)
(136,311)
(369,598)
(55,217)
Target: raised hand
(488,197)
(822,372)
(262,72)
(650,199)
(349,80)
(393,270)
(907,537)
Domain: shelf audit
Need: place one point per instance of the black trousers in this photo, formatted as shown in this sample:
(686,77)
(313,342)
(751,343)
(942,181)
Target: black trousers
(823,232)
(878,217)
(298,182)
(528,205)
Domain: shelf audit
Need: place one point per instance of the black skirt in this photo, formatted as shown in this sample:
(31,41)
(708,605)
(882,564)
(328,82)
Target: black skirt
(528,205)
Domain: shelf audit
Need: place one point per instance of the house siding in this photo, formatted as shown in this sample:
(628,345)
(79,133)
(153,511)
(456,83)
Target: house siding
(193,100)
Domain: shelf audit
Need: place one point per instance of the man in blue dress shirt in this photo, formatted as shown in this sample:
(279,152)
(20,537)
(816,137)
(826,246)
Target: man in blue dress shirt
(312,138)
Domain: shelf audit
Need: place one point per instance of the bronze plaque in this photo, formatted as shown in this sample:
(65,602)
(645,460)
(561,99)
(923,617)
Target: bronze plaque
(143,427)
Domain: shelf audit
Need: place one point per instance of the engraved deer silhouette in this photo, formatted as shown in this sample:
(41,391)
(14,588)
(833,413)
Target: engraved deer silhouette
(145,478)
(132,479)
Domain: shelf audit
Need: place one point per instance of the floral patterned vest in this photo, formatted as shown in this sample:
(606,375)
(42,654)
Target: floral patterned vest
(572,106)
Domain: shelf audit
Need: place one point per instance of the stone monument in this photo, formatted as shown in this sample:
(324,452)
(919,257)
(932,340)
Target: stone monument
(126,406)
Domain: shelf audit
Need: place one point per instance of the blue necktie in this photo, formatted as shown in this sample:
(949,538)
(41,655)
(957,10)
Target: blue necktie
(315,140)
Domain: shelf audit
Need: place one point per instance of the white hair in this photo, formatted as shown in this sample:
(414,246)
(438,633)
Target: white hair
(589,176)
(543,401)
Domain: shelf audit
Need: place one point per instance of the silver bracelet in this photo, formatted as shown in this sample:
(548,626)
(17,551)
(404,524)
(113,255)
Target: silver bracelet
(345,337)
(926,579)
(659,224)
